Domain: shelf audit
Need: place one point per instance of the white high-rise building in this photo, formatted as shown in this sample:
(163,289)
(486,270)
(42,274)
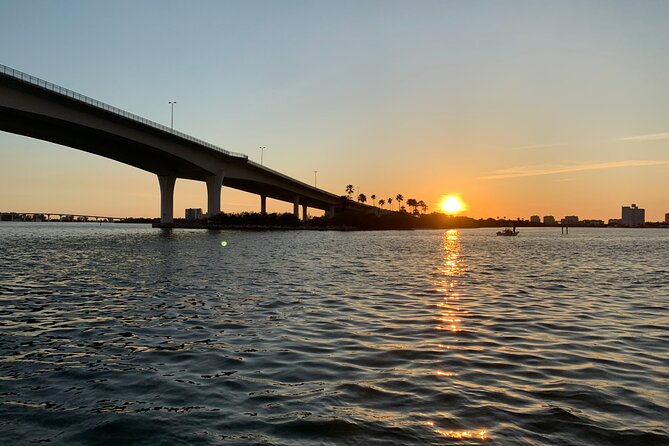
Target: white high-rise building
(633,216)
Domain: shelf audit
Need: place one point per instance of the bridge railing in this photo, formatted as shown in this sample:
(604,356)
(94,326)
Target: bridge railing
(25,77)
(293,180)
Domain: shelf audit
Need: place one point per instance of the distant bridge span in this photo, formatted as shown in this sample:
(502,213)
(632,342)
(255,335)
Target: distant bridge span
(39,109)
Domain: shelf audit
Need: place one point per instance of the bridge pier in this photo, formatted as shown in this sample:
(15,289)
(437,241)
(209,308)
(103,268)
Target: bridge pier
(214,183)
(304,212)
(296,206)
(330,212)
(263,204)
(166,198)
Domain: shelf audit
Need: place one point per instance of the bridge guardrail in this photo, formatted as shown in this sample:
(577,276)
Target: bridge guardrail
(25,77)
(279,174)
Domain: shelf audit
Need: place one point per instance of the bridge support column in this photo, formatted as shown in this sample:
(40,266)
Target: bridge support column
(304,212)
(330,212)
(214,183)
(166,198)
(263,204)
(296,206)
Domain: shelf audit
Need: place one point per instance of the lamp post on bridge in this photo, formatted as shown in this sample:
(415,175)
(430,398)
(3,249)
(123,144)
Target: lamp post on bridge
(262,151)
(172,120)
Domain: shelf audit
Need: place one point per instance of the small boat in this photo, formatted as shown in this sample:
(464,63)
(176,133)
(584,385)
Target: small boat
(508,232)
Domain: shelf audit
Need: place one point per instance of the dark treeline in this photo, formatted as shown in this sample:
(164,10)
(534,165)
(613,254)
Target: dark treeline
(344,219)
(406,220)
(255,219)
(349,219)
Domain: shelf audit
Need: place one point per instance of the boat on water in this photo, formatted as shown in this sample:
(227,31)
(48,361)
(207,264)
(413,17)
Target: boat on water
(508,232)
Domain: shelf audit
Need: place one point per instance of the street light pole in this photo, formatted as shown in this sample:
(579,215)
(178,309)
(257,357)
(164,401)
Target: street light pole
(262,151)
(172,120)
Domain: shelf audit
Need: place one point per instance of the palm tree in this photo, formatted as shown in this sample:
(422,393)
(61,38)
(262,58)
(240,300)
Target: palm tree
(390,203)
(349,191)
(382,202)
(413,203)
(373,197)
(400,199)
(422,206)
(362,198)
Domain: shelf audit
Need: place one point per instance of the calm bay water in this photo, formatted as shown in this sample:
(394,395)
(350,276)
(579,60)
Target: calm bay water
(123,334)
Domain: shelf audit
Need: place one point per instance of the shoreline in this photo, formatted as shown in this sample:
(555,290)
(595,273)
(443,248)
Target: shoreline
(183,225)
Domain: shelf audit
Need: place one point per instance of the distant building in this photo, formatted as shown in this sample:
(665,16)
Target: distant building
(593,222)
(633,216)
(666,218)
(549,220)
(615,222)
(570,220)
(535,219)
(193,214)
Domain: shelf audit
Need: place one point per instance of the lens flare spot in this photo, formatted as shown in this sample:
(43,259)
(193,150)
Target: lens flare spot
(224,243)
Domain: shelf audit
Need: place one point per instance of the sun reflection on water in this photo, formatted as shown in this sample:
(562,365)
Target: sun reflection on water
(451,270)
(464,435)
(449,318)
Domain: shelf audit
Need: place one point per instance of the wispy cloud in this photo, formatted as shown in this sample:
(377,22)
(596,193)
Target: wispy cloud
(663,136)
(647,137)
(535,146)
(532,171)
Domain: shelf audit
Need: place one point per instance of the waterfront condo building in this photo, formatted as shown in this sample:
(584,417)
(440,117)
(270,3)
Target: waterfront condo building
(633,216)
(549,220)
(535,219)
(570,220)
(193,214)
(666,218)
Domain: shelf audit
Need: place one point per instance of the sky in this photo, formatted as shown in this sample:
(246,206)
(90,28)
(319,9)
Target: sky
(519,107)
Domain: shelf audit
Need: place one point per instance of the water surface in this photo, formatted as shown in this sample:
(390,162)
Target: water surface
(125,334)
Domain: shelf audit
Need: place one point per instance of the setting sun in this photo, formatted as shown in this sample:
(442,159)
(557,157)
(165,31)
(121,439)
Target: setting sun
(452,204)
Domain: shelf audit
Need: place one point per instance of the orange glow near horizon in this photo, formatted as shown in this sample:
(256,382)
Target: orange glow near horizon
(452,204)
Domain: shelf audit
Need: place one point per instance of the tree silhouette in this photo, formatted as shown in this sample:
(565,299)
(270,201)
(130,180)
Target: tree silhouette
(373,197)
(349,191)
(390,203)
(400,199)
(362,198)
(382,202)
(422,206)
(413,203)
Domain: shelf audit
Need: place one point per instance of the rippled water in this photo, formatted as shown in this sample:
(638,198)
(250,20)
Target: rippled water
(122,334)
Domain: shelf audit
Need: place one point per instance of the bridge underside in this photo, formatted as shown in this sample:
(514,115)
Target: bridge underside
(131,152)
(273,192)
(65,118)
(100,143)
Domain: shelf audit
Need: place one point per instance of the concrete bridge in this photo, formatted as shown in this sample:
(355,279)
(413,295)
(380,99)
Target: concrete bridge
(39,109)
(55,216)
